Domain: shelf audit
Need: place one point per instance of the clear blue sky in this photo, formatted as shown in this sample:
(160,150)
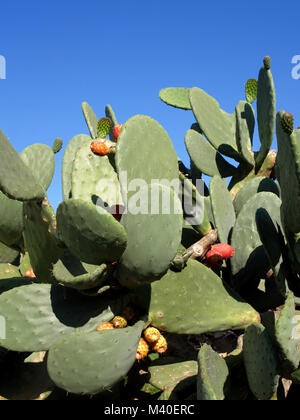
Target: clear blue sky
(60,53)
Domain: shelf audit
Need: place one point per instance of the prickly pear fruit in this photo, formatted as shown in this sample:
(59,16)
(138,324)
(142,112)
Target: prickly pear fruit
(287,122)
(142,350)
(119,322)
(160,346)
(152,334)
(105,326)
(30,273)
(225,250)
(116,131)
(267,62)
(57,145)
(104,125)
(214,259)
(99,148)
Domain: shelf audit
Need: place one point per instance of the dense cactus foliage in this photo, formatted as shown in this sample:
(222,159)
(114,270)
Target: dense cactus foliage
(201,296)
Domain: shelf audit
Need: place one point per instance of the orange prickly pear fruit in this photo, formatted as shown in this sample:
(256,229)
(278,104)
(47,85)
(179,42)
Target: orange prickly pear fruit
(151,334)
(30,273)
(142,350)
(161,345)
(116,131)
(99,148)
(119,322)
(105,326)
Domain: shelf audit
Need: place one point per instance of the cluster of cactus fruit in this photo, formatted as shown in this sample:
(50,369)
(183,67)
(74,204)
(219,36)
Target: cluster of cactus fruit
(95,293)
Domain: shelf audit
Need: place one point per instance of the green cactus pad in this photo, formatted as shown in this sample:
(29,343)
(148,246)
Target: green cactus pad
(111,115)
(266,112)
(176,97)
(194,301)
(8,271)
(143,262)
(218,126)
(11,220)
(166,377)
(212,375)
(7,255)
(39,158)
(16,179)
(67,163)
(288,161)
(205,157)
(157,159)
(245,123)
(256,185)
(71,272)
(90,232)
(101,360)
(250,261)
(94,179)
(251,90)
(103,127)
(222,207)
(90,119)
(40,239)
(57,145)
(37,315)
(273,242)
(261,362)
(287,336)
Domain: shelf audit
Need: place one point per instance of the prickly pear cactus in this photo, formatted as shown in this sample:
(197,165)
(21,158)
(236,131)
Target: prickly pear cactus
(146,283)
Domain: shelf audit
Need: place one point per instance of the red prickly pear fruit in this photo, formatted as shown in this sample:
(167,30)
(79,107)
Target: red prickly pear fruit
(30,273)
(99,148)
(225,250)
(116,131)
(214,259)
(117,211)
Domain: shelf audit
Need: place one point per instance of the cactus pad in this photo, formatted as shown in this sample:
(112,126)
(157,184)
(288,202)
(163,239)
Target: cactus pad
(206,304)
(102,359)
(261,362)
(176,97)
(90,232)
(16,179)
(213,374)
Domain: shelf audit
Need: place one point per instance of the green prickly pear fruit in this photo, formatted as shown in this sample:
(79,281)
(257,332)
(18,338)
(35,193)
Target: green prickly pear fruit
(287,123)
(57,145)
(267,62)
(104,126)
